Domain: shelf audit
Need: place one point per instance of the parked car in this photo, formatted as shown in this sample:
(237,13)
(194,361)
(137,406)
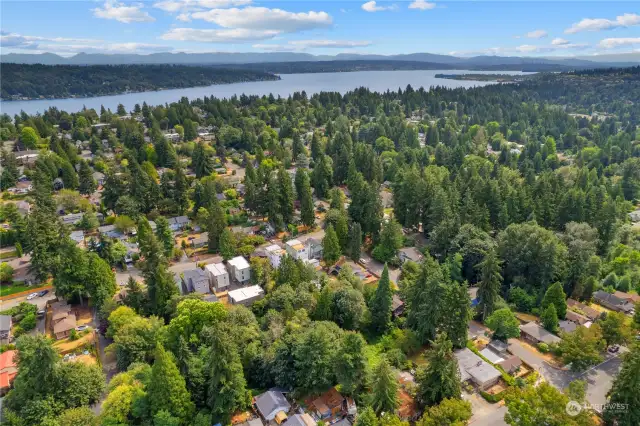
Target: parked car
(43,293)
(82,327)
(32,296)
(41,313)
(614,348)
(363,260)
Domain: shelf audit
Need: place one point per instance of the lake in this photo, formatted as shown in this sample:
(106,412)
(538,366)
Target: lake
(342,82)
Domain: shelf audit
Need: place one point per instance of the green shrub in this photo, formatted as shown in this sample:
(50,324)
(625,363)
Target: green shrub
(543,347)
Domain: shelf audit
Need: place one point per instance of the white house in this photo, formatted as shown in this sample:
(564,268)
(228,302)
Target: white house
(297,250)
(219,276)
(275,253)
(245,295)
(240,269)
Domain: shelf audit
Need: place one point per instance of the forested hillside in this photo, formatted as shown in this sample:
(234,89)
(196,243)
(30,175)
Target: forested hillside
(522,190)
(64,81)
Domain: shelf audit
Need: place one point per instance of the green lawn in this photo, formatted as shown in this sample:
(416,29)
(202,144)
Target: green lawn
(16,287)
(8,254)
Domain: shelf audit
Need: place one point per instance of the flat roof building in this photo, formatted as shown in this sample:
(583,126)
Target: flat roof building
(246,295)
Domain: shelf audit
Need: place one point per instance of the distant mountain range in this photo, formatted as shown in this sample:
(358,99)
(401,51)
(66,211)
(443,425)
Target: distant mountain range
(616,60)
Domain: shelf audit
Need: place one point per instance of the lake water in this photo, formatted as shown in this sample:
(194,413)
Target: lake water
(342,82)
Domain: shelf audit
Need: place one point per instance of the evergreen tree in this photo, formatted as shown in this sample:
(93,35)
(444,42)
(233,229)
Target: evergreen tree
(201,161)
(216,224)
(490,282)
(390,241)
(425,300)
(355,242)
(455,314)
(227,386)
(316,147)
(167,389)
(322,176)
(624,397)
(286,195)
(87,183)
(342,231)
(351,364)
(549,318)
(164,235)
(384,391)
(330,246)
(69,176)
(323,306)
(180,188)
(366,417)
(555,294)
(10,172)
(307,211)
(381,303)
(439,378)
(135,297)
(227,244)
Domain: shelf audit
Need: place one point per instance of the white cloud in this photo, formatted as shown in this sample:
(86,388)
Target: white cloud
(559,41)
(218,36)
(182,5)
(301,45)
(422,5)
(626,20)
(122,13)
(184,17)
(262,18)
(372,6)
(536,34)
(526,49)
(330,43)
(610,43)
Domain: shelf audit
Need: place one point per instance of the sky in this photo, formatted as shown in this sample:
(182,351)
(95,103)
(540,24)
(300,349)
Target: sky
(462,28)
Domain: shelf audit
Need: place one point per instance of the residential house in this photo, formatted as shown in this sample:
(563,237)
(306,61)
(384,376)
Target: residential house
(196,280)
(493,357)
(274,253)
(635,216)
(72,219)
(8,370)
(410,253)
(329,404)
(5,328)
(27,157)
(314,248)
(62,329)
(612,301)
(631,298)
(475,369)
(535,334)
(99,177)
(256,421)
(24,208)
(112,232)
(511,364)
(178,223)
(200,241)
(577,318)
(297,250)
(270,404)
(498,346)
(300,420)
(172,137)
(218,275)
(397,306)
(473,295)
(77,236)
(245,295)
(592,314)
(240,269)
(567,326)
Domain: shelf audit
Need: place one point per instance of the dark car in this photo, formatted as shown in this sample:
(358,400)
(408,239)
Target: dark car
(43,292)
(614,348)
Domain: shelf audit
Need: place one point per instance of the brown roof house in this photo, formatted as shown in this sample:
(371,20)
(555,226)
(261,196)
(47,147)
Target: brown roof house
(592,314)
(511,364)
(329,404)
(63,319)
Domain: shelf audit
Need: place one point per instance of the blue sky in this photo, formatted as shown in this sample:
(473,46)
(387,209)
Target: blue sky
(508,28)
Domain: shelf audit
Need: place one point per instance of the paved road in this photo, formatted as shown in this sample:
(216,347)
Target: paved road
(40,302)
(484,413)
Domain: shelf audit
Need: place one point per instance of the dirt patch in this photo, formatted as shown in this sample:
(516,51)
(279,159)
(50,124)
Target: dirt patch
(66,346)
(525,318)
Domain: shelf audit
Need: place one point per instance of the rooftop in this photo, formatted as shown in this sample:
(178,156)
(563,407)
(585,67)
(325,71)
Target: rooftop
(474,367)
(66,324)
(269,401)
(245,293)
(539,333)
(239,262)
(5,322)
(195,274)
(295,244)
(216,269)
(491,356)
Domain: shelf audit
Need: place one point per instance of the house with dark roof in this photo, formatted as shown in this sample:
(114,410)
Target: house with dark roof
(581,308)
(511,364)
(178,223)
(397,306)
(62,329)
(5,328)
(576,318)
(475,369)
(631,298)
(196,281)
(612,301)
(535,334)
(300,420)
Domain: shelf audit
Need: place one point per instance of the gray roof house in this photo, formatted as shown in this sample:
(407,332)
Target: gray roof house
(535,334)
(474,368)
(72,218)
(271,403)
(111,232)
(612,301)
(178,223)
(196,280)
(201,241)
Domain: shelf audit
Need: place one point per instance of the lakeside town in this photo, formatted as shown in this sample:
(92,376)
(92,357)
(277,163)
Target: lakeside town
(360,259)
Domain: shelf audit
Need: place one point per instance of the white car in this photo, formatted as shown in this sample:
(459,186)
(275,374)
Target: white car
(32,296)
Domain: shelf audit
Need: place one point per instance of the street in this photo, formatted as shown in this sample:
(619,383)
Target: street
(40,302)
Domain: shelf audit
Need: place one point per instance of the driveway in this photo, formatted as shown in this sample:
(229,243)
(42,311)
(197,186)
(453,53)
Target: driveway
(485,413)
(376,267)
